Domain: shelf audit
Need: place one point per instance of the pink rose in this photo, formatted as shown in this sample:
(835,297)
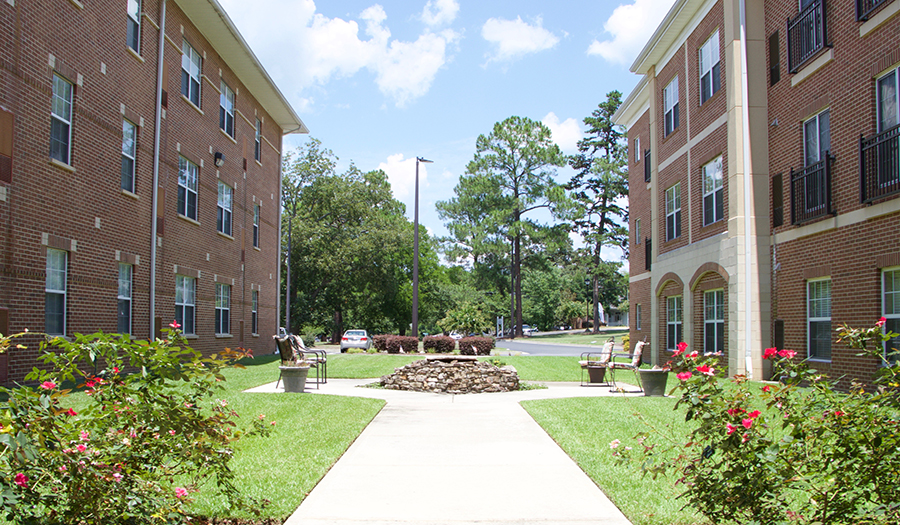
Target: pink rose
(754,414)
(684,376)
(706,370)
(881,322)
(787,353)
(770,352)
(730,428)
(22,480)
(48,385)
(747,423)
(180,492)
(174,325)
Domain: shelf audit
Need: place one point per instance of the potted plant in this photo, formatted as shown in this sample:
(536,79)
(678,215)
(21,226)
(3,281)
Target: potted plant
(294,367)
(653,380)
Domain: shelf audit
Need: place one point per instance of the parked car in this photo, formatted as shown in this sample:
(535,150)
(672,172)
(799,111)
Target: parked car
(355,339)
(456,335)
(529,330)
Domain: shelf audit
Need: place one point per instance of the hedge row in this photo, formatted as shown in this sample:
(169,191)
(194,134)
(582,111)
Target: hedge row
(380,342)
(440,344)
(476,345)
(408,343)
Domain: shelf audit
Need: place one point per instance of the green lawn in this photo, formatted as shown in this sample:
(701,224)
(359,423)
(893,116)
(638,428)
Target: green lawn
(581,338)
(584,427)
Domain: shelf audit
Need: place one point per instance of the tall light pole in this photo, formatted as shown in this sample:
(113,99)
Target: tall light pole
(415,305)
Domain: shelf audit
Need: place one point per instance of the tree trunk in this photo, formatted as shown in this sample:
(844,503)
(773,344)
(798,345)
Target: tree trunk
(512,289)
(338,330)
(596,285)
(518,281)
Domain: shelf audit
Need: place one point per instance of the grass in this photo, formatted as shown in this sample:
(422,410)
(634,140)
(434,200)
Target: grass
(584,427)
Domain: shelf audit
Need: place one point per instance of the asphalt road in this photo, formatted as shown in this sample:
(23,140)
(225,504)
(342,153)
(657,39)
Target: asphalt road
(534,347)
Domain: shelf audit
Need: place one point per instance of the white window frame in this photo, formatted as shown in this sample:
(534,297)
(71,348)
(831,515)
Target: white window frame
(124,310)
(893,106)
(673,212)
(818,150)
(637,315)
(709,72)
(813,315)
(61,119)
(714,320)
(185,303)
(191,71)
(55,286)
(224,206)
(670,107)
(223,309)
(713,192)
(637,231)
(188,176)
(674,321)
(256,212)
(257,152)
(134,21)
(254,312)
(226,109)
(890,309)
(129,149)
(637,149)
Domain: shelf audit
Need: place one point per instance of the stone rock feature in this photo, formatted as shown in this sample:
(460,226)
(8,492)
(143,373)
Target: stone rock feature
(452,375)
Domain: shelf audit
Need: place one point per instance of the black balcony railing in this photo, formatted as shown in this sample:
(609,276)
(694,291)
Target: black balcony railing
(879,165)
(806,34)
(864,8)
(811,191)
(647,165)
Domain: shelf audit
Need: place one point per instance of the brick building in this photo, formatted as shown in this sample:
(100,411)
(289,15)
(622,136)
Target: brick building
(764,176)
(140,149)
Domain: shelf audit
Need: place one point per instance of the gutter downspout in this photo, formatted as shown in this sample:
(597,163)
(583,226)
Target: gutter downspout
(156,154)
(748,274)
(287,292)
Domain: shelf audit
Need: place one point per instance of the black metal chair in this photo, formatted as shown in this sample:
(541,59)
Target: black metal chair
(633,364)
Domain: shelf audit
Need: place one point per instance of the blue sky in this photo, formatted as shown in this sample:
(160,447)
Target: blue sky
(381,83)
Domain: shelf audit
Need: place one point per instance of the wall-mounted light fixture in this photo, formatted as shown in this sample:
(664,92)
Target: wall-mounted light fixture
(220,159)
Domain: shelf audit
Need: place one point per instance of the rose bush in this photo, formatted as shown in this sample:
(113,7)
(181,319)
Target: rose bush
(794,452)
(135,449)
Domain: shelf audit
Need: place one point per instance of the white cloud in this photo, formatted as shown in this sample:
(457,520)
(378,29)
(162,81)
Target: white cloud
(630,25)
(566,134)
(401,174)
(302,48)
(440,12)
(514,38)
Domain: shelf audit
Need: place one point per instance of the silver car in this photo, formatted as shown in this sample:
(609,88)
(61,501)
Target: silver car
(355,339)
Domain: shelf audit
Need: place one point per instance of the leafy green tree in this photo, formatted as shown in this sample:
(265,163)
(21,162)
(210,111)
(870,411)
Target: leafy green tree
(511,174)
(467,318)
(600,187)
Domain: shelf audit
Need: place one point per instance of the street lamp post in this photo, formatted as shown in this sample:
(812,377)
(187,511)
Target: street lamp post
(415,301)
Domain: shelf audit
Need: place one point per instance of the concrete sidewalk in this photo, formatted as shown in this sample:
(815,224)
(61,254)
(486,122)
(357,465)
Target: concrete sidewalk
(442,459)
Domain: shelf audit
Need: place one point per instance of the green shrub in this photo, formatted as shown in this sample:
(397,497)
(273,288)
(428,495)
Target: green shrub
(626,343)
(141,447)
(309,333)
(439,344)
(476,345)
(409,344)
(795,452)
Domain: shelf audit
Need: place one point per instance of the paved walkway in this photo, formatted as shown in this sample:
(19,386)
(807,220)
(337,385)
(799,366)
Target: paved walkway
(433,459)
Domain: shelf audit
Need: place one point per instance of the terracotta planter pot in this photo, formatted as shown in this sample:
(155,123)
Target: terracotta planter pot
(294,378)
(596,374)
(654,382)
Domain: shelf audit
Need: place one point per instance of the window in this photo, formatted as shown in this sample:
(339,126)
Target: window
(257,153)
(637,315)
(55,292)
(888,107)
(223,210)
(226,110)
(674,333)
(710,77)
(61,120)
(637,149)
(670,94)
(256,226)
(777,200)
(819,319)
(774,59)
(185,293)
(125,279)
(673,212)
(129,136)
(223,310)
(191,68)
(714,321)
(713,199)
(187,188)
(134,25)
(254,312)
(816,137)
(637,231)
(891,311)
